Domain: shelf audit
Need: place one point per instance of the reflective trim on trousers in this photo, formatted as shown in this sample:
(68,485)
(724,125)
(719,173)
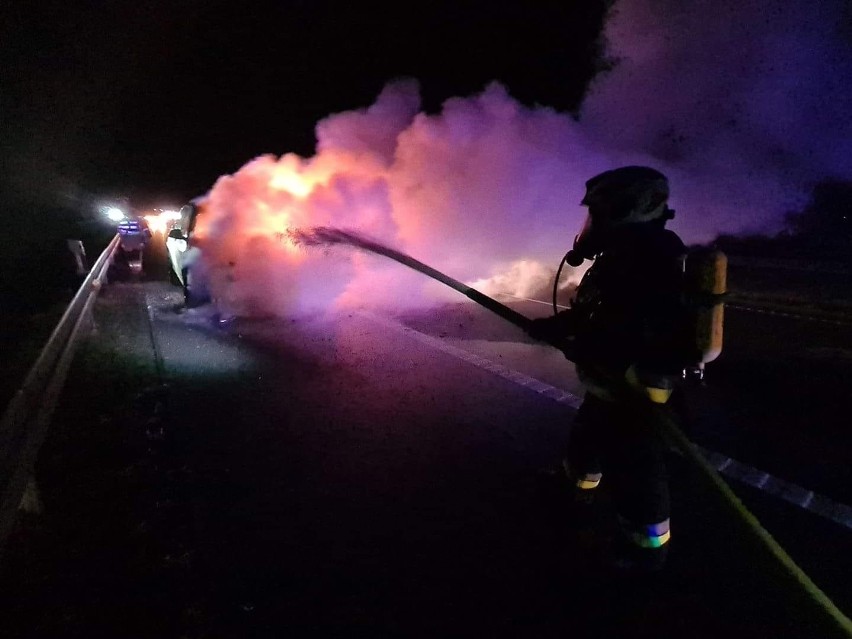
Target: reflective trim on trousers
(584,481)
(589,481)
(649,535)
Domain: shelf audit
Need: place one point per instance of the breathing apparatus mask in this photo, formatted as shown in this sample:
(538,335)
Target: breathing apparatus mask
(616,199)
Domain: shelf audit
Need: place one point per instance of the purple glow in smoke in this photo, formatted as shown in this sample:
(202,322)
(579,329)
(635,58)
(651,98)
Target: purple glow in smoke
(743,105)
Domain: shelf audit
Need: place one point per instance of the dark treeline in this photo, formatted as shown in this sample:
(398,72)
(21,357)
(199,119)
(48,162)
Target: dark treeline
(821,231)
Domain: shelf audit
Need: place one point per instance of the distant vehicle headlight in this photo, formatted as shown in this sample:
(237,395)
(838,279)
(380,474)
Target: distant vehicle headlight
(116,215)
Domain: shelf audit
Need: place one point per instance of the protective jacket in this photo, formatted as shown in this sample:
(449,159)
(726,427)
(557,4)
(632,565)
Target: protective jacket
(627,318)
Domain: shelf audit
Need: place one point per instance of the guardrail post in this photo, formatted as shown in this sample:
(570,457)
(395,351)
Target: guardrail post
(31,501)
(79,252)
(90,325)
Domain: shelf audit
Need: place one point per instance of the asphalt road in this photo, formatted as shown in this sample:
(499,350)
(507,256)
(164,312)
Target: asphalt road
(358,474)
(783,383)
(777,399)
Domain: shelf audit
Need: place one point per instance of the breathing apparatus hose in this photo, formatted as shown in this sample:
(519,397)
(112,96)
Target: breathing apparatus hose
(556,281)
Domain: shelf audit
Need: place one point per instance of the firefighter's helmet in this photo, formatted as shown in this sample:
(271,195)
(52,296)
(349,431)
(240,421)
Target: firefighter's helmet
(628,195)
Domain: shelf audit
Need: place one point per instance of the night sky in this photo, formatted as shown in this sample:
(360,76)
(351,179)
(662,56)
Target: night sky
(154,100)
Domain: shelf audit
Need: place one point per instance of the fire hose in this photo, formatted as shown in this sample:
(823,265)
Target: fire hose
(328,236)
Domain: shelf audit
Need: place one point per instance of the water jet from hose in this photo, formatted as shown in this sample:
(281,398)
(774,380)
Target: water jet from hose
(330,236)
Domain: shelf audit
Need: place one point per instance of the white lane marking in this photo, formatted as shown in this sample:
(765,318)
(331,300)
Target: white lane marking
(771,485)
(529,299)
(557,394)
(788,491)
(764,311)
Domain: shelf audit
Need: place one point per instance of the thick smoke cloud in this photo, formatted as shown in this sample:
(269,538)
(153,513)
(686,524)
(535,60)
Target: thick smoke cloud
(744,106)
(485,189)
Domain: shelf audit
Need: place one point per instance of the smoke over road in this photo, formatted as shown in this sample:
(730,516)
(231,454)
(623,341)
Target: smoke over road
(743,105)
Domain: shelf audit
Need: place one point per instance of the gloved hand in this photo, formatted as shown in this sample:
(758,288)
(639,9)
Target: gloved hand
(555,330)
(544,329)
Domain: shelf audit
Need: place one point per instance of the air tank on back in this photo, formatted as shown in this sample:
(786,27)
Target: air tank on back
(705,285)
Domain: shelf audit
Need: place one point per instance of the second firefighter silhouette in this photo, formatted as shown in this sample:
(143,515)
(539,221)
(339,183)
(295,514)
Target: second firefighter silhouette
(625,327)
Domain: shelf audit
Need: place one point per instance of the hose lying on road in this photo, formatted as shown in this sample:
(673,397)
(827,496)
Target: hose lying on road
(735,507)
(328,236)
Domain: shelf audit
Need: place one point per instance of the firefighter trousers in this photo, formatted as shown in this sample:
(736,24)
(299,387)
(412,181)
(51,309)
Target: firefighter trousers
(621,440)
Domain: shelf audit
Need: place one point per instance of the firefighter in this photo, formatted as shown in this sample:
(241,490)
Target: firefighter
(625,328)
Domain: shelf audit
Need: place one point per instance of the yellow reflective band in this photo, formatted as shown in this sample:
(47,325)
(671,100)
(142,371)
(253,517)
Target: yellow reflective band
(588,484)
(653,541)
(655,394)
(652,535)
(658,395)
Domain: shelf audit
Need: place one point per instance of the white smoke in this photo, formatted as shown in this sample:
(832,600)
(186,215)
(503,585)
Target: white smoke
(485,189)
(743,107)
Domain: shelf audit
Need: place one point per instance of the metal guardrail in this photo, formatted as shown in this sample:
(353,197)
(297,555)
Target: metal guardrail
(24,423)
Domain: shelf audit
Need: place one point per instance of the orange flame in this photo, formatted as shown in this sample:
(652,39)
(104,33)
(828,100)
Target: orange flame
(159,223)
